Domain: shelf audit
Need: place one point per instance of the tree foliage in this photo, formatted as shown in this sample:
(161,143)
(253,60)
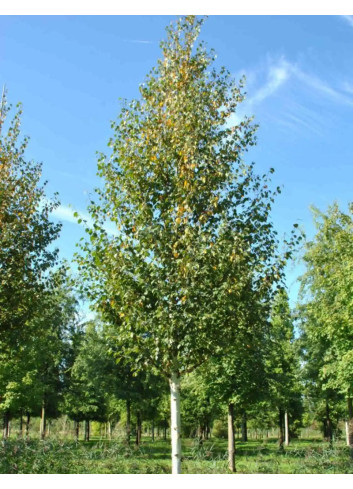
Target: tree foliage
(191,217)
(26,231)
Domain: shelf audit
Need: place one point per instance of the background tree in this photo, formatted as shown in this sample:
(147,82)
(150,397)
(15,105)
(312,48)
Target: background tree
(327,288)
(32,375)
(283,367)
(26,232)
(90,385)
(237,377)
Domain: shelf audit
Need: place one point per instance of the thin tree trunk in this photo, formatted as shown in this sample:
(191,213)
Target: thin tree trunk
(244,428)
(280,425)
(87,434)
(286,429)
(43,422)
(28,418)
(77,430)
(175,422)
(165,430)
(328,424)
(21,426)
(199,435)
(109,430)
(347,432)
(350,421)
(152,430)
(128,421)
(5,432)
(138,428)
(231,440)
(350,425)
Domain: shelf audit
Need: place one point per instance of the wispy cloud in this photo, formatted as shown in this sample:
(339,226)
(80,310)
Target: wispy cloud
(348,87)
(295,86)
(322,87)
(138,41)
(277,75)
(67,213)
(348,19)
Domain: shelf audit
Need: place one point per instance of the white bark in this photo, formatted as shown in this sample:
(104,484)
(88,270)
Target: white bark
(175,422)
(286,429)
(231,441)
(347,433)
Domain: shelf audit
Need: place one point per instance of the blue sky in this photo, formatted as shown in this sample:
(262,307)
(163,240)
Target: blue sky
(69,73)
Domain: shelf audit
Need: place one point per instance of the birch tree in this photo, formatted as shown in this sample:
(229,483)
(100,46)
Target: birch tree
(190,217)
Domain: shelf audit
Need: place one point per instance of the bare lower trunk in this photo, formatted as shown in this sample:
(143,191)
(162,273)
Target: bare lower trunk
(286,429)
(329,433)
(138,428)
(109,430)
(28,418)
(87,433)
(244,428)
(231,440)
(350,422)
(152,430)
(77,430)
(6,426)
(175,431)
(43,422)
(280,425)
(128,421)
(21,426)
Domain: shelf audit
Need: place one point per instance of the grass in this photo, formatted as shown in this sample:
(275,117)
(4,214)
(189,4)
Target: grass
(55,456)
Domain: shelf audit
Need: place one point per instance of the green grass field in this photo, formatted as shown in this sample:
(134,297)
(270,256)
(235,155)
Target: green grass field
(112,457)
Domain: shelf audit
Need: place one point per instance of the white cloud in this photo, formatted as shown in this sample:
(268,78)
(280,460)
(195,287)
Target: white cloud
(66,213)
(349,19)
(321,86)
(277,75)
(348,87)
(290,114)
(138,41)
(282,71)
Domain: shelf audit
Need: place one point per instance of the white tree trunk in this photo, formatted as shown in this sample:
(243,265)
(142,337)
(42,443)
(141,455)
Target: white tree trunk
(286,429)
(347,433)
(231,441)
(175,423)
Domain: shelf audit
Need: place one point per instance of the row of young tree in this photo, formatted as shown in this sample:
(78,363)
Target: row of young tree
(189,290)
